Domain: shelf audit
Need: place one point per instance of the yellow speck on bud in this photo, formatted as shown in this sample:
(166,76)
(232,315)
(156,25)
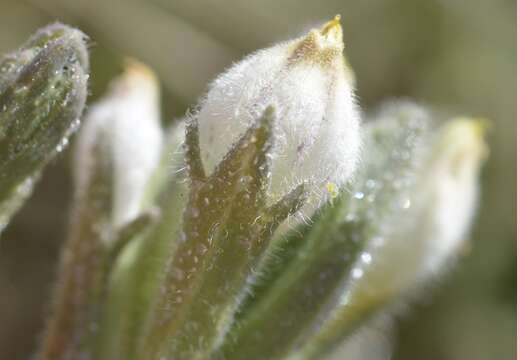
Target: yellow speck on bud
(332,189)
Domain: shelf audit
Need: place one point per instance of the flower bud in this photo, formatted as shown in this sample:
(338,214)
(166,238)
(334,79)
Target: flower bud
(126,125)
(426,226)
(309,83)
(438,212)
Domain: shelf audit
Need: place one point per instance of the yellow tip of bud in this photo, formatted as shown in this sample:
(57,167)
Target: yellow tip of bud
(136,75)
(331,26)
(465,137)
(323,45)
(332,189)
(476,127)
(332,32)
(481,126)
(133,67)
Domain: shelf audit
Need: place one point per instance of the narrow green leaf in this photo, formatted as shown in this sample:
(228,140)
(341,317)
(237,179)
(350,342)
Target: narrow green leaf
(72,326)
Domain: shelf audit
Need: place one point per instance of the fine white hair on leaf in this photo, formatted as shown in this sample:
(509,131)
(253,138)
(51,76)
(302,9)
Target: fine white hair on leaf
(307,80)
(127,122)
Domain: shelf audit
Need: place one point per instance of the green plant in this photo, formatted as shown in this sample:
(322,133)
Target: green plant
(253,229)
(42,94)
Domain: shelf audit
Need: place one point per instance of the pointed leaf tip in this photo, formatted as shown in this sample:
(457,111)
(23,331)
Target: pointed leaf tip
(289,204)
(192,151)
(250,157)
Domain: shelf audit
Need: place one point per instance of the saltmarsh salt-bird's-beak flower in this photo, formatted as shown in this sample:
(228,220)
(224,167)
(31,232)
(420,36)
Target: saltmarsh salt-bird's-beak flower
(311,87)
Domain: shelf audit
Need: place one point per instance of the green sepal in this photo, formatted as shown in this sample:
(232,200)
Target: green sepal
(227,226)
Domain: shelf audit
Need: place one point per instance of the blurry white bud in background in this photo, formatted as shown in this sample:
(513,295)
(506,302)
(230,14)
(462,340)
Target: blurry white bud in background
(311,86)
(452,189)
(431,231)
(427,223)
(126,124)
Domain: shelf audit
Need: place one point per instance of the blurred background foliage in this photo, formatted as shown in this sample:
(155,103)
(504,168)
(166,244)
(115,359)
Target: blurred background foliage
(460,55)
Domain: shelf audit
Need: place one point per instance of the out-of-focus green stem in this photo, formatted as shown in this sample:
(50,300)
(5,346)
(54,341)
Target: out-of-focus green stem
(43,88)
(226,228)
(71,328)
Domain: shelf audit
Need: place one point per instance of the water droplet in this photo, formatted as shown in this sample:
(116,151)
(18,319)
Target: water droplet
(357,273)
(62,145)
(359,195)
(366,258)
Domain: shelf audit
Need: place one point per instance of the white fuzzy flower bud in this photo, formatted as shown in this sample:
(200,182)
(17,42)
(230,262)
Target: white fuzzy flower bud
(310,85)
(126,124)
